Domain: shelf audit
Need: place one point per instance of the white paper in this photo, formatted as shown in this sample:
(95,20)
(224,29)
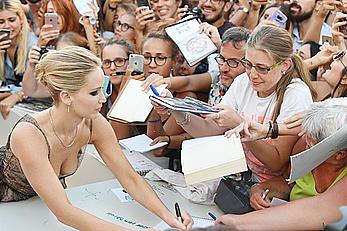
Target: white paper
(198,223)
(307,160)
(140,143)
(133,105)
(85,7)
(122,195)
(277,201)
(194,45)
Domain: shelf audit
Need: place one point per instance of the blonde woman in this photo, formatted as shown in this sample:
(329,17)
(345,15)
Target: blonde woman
(74,78)
(14,50)
(276,85)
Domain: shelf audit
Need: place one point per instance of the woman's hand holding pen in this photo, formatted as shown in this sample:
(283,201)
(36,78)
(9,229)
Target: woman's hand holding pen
(259,199)
(186,224)
(155,80)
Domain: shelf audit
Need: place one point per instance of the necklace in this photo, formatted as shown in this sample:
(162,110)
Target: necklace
(55,133)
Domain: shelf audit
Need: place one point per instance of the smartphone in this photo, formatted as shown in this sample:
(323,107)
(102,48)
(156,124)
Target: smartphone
(140,3)
(6,32)
(343,29)
(279,18)
(136,63)
(52,19)
(327,39)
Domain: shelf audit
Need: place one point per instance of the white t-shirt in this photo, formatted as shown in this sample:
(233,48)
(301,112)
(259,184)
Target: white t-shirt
(250,106)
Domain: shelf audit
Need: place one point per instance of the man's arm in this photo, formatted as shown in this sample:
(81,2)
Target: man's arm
(321,209)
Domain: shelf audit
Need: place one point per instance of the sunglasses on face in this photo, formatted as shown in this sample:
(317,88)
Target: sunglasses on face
(107,87)
(261,69)
(233,63)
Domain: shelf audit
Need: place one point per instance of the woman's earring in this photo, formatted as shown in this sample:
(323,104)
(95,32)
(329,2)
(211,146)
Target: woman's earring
(283,72)
(68,108)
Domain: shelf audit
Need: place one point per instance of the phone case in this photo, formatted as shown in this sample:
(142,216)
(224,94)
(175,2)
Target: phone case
(7,32)
(279,18)
(52,19)
(136,63)
(140,3)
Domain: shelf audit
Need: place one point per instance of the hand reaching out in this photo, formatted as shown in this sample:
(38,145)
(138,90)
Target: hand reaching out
(249,131)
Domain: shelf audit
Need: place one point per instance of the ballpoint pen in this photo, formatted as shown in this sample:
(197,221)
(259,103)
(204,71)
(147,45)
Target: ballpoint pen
(155,92)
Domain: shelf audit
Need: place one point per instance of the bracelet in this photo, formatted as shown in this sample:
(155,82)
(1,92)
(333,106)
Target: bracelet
(268,131)
(169,141)
(274,131)
(185,121)
(154,121)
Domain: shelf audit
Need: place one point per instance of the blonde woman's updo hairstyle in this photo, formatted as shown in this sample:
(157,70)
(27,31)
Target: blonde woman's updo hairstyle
(66,69)
(278,43)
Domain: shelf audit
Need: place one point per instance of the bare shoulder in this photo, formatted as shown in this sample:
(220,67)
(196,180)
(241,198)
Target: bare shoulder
(102,129)
(27,140)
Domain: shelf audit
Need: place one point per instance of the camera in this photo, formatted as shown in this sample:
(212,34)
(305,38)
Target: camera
(43,51)
(196,13)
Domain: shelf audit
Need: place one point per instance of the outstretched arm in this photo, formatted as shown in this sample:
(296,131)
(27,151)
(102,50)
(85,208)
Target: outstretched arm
(104,140)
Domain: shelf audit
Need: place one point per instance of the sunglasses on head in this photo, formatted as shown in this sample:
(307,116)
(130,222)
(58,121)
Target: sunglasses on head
(107,87)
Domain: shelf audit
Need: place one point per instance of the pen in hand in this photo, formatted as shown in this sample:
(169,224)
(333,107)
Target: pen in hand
(155,92)
(212,216)
(178,212)
(265,193)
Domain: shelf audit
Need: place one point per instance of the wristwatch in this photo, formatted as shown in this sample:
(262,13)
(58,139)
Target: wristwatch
(244,10)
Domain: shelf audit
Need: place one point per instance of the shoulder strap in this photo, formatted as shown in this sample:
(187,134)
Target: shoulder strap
(29,119)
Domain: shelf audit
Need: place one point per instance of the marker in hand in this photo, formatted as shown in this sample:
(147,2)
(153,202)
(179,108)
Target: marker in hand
(155,92)
(265,193)
(212,216)
(178,212)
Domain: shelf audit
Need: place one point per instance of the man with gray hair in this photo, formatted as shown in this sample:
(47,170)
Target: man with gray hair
(322,120)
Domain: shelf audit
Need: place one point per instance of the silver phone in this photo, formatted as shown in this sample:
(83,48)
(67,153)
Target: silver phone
(136,63)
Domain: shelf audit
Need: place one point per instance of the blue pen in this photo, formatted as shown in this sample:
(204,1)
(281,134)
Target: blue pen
(212,216)
(155,92)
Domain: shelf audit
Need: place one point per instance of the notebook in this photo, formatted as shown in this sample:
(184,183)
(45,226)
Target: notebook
(186,104)
(140,143)
(132,104)
(211,157)
(199,222)
(194,45)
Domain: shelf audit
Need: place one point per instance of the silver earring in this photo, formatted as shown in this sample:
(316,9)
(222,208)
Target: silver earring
(283,72)
(68,108)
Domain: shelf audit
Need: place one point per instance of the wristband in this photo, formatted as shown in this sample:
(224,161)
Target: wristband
(274,131)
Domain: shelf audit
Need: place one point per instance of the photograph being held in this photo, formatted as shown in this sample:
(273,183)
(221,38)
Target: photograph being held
(74,78)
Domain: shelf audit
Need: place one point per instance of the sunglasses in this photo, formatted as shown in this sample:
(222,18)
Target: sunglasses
(107,87)
(261,69)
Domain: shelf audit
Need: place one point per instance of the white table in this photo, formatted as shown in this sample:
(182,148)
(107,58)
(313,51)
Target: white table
(99,200)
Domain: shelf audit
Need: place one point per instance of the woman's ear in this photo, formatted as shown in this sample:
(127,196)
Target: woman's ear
(287,64)
(65,97)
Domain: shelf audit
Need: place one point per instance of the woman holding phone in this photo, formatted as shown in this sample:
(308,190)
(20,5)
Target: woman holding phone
(66,19)
(15,42)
